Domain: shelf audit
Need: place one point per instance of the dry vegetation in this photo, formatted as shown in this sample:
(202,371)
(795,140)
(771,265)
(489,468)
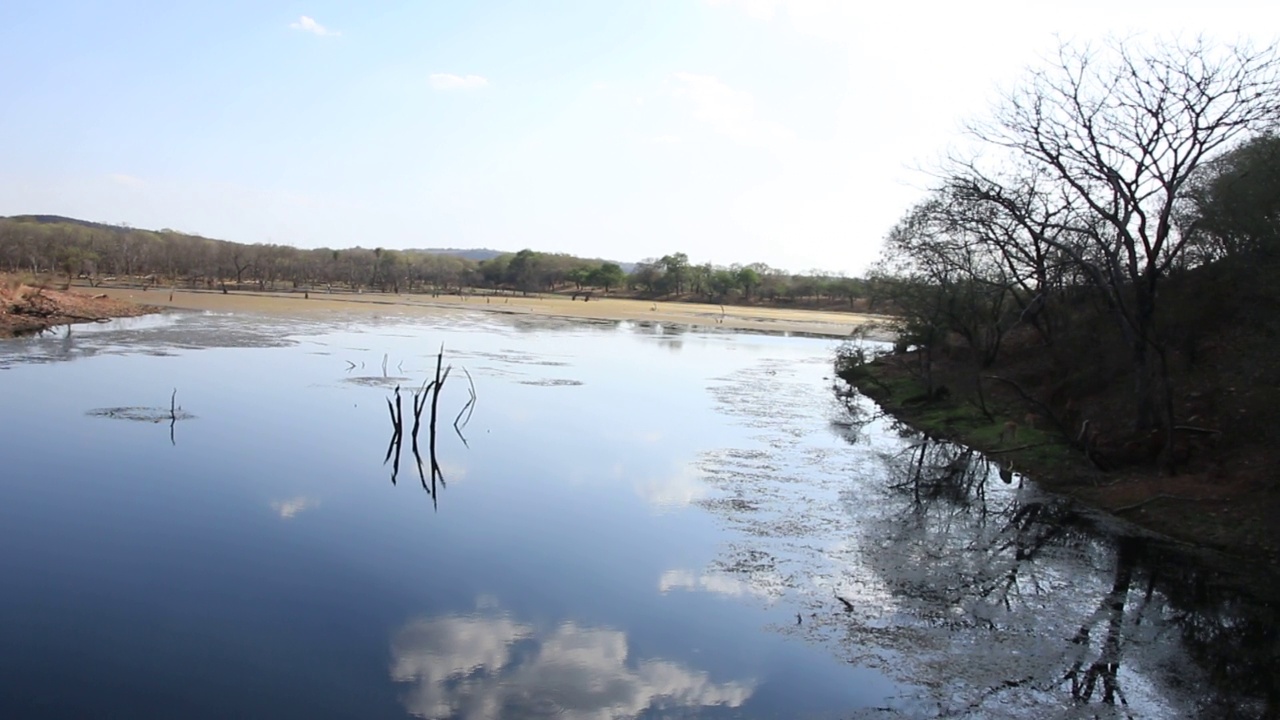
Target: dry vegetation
(1099,280)
(1071,405)
(28,307)
(99,253)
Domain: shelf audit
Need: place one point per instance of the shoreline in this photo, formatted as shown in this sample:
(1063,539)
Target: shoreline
(747,318)
(1222,521)
(29,310)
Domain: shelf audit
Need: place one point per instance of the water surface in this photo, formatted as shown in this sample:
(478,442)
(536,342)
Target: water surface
(638,521)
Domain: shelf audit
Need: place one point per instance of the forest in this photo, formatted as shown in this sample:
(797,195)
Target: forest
(1098,274)
(97,252)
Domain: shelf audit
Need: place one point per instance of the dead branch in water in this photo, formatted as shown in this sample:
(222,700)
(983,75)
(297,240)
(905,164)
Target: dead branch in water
(435,405)
(397,433)
(420,402)
(428,391)
(468,409)
(397,420)
(422,476)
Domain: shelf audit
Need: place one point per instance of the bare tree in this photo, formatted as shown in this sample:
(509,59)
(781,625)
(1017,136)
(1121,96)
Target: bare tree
(1117,131)
(970,288)
(1025,233)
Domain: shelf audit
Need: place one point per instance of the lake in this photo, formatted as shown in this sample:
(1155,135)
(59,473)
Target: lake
(635,521)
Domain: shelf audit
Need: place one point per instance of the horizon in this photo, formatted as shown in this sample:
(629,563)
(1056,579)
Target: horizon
(790,132)
(50,218)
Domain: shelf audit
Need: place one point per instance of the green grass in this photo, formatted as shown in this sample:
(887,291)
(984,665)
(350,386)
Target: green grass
(1043,454)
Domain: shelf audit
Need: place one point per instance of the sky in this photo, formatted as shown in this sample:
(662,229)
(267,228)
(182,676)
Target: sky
(789,132)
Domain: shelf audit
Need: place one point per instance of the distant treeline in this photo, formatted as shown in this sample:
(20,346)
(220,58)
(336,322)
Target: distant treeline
(97,252)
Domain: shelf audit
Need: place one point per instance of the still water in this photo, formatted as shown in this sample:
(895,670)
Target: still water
(636,522)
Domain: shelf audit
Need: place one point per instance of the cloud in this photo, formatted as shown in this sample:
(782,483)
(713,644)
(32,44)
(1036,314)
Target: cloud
(308,24)
(833,20)
(667,140)
(447,81)
(732,113)
(466,667)
(758,9)
(287,509)
(126,180)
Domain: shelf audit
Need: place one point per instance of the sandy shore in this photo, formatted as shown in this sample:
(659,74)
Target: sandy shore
(762,319)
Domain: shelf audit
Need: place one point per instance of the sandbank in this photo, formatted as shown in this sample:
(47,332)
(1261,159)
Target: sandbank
(752,318)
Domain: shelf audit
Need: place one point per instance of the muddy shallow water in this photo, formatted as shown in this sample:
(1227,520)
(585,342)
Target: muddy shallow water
(641,522)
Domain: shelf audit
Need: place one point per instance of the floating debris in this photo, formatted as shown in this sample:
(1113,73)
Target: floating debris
(141,414)
(551,382)
(377,381)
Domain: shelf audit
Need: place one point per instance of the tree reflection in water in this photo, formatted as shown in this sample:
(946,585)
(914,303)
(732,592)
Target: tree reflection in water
(1017,603)
(984,599)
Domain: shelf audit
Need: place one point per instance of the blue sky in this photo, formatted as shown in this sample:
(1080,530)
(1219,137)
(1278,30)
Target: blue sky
(784,131)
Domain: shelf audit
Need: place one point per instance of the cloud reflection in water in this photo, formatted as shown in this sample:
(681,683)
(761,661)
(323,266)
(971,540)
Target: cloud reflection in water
(477,667)
(287,509)
(676,489)
(717,583)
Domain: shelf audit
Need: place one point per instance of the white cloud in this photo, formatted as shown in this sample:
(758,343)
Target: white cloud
(126,180)
(758,9)
(308,24)
(810,198)
(828,19)
(287,509)
(447,81)
(465,667)
(667,140)
(732,113)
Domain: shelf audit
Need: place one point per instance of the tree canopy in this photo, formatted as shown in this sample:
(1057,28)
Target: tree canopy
(1107,169)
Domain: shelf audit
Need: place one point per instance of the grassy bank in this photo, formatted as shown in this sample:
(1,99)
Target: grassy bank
(1217,505)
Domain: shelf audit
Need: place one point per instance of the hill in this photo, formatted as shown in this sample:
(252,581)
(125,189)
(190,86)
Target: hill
(477,254)
(62,220)
(474,254)
(482,254)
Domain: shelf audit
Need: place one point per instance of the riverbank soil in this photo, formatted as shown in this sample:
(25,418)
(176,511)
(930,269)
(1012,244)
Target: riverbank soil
(31,308)
(1224,492)
(859,305)
(762,319)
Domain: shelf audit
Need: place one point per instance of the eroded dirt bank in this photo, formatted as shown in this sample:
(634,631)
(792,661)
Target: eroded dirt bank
(26,309)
